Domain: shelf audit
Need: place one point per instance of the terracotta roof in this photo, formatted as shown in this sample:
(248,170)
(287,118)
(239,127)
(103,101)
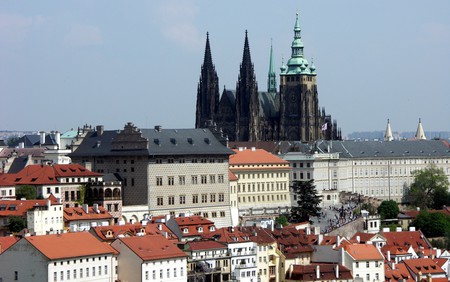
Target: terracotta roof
(440,261)
(232,176)
(112,232)
(407,238)
(423,265)
(5,182)
(204,245)
(6,242)
(194,224)
(394,250)
(78,213)
(20,207)
(46,174)
(152,247)
(327,272)
(363,252)
(228,235)
(258,235)
(415,213)
(257,156)
(69,245)
(399,273)
(363,237)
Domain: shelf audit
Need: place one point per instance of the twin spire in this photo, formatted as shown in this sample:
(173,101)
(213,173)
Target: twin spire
(420,133)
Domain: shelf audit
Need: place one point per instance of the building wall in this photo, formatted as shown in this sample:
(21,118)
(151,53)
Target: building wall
(243,261)
(40,221)
(207,179)
(360,268)
(234,203)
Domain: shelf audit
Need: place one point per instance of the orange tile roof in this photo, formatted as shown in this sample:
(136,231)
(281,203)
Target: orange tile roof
(69,245)
(46,174)
(204,245)
(363,237)
(257,156)
(78,213)
(363,252)
(152,247)
(327,272)
(6,242)
(394,250)
(193,223)
(5,182)
(20,207)
(399,273)
(423,265)
(228,235)
(127,230)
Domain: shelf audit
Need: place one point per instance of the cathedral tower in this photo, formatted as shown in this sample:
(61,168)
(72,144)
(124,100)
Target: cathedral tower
(300,117)
(247,99)
(207,91)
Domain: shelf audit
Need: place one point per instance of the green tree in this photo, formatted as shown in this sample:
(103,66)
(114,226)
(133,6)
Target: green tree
(281,220)
(434,224)
(16,224)
(26,191)
(307,202)
(430,188)
(388,209)
(12,140)
(82,189)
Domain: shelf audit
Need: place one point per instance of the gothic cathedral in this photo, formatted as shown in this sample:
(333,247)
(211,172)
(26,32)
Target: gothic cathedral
(245,114)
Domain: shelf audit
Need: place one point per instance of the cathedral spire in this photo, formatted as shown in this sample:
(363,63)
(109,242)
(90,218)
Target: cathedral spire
(297,64)
(207,61)
(388,134)
(246,59)
(420,134)
(272,79)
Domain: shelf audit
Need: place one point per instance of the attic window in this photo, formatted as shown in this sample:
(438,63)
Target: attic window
(200,229)
(156,140)
(2,207)
(33,179)
(185,230)
(190,141)
(211,228)
(207,141)
(12,207)
(173,141)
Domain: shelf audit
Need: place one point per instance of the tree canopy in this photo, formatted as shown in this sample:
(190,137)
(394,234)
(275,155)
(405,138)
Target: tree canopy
(16,224)
(307,202)
(433,224)
(388,209)
(430,188)
(26,191)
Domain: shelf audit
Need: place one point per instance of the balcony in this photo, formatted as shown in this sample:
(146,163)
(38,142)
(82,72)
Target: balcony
(245,265)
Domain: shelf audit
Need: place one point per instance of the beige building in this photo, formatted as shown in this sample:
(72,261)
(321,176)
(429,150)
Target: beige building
(263,182)
(163,171)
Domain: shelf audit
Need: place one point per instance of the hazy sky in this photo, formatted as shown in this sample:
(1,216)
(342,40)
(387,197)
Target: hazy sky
(68,63)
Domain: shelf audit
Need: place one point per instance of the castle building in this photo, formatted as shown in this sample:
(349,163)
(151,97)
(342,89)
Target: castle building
(245,114)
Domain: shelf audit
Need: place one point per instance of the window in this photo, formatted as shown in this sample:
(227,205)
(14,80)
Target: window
(159,201)
(171,200)
(170,180)
(212,198)
(194,199)
(182,199)
(49,190)
(213,214)
(154,274)
(159,181)
(222,214)
(181,180)
(204,179)
(377,276)
(194,179)
(168,273)
(81,273)
(106,270)
(174,272)
(99,270)
(146,275)
(368,277)
(74,274)
(212,179)
(221,197)
(182,271)
(160,273)
(220,178)
(367,264)
(357,264)
(93,271)
(68,274)
(61,274)
(204,198)
(55,276)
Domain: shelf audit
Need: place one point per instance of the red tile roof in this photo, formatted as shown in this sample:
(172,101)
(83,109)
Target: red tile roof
(69,245)
(423,265)
(6,242)
(363,252)
(5,182)
(232,176)
(327,272)
(257,156)
(78,213)
(20,207)
(152,247)
(407,238)
(399,273)
(204,245)
(258,235)
(128,230)
(193,224)
(228,235)
(363,237)
(46,174)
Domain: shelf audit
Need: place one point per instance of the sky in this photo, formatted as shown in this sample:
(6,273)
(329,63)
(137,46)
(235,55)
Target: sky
(64,64)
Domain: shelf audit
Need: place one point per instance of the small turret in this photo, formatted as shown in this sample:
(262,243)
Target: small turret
(388,134)
(420,134)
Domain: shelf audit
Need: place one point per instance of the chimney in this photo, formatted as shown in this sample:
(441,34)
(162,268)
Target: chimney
(316,230)
(307,231)
(99,129)
(338,241)
(412,228)
(42,137)
(88,166)
(438,253)
(419,276)
(85,208)
(253,149)
(96,208)
(398,229)
(317,272)
(319,239)
(388,256)
(429,277)
(159,227)
(418,208)
(58,139)
(167,217)
(358,239)
(158,128)
(49,203)
(21,145)
(291,268)
(337,271)
(393,266)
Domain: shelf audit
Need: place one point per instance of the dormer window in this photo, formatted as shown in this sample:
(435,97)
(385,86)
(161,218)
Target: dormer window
(211,228)
(185,230)
(200,229)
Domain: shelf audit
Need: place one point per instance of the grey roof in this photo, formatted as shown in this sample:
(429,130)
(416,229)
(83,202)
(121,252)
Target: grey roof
(386,149)
(164,142)
(18,164)
(32,140)
(268,103)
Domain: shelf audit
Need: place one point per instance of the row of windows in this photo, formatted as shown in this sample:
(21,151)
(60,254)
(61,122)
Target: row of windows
(182,161)
(302,175)
(194,179)
(262,198)
(80,273)
(3,192)
(301,165)
(258,187)
(195,199)
(261,175)
(168,272)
